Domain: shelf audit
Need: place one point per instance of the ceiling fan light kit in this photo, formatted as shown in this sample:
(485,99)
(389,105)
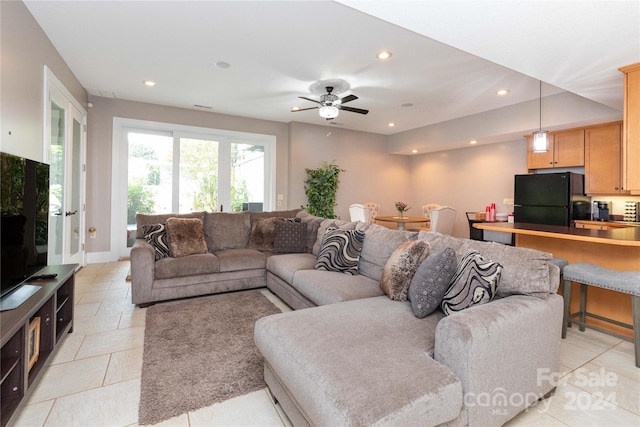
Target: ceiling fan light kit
(330,105)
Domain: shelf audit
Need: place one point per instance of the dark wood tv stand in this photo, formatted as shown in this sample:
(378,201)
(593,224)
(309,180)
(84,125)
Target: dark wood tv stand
(47,316)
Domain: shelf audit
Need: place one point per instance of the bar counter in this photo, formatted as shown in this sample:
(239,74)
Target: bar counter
(618,249)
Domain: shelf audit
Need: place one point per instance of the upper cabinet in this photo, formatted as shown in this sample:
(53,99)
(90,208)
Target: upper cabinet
(603,160)
(631,128)
(566,149)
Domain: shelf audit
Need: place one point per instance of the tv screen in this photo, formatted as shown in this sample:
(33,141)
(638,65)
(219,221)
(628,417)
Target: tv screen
(24,212)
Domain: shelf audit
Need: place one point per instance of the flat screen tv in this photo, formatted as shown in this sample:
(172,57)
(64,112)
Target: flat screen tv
(24,212)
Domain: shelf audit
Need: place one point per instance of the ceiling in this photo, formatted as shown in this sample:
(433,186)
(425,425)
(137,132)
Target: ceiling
(449,58)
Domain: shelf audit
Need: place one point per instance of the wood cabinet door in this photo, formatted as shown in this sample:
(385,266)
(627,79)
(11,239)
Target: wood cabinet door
(631,155)
(602,159)
(539,160)
(568,147)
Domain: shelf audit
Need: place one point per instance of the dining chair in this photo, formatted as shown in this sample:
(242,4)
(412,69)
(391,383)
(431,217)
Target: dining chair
(359,212)
(374,208)
(426,211)
(443,219)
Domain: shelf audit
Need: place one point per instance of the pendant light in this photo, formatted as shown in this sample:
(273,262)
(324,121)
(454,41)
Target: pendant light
(540,137)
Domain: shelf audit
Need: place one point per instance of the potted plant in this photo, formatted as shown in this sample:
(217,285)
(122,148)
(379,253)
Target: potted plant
(321,187)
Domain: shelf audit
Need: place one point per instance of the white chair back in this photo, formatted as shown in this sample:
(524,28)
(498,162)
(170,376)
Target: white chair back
(426,210)
(359,212)
(442,219)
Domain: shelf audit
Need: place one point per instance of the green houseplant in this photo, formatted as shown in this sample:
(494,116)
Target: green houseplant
(321,187)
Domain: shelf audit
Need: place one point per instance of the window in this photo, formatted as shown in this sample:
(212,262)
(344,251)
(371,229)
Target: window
(173,168)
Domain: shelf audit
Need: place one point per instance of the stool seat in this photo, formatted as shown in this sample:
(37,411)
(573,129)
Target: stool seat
(560,262)
(589,274)
(586,274)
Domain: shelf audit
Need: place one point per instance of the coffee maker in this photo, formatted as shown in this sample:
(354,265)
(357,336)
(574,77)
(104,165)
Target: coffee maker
(600,211)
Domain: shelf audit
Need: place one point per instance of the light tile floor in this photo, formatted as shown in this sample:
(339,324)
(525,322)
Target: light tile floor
(94,378)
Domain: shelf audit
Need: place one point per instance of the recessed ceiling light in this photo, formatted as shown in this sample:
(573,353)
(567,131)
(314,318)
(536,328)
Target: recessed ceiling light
(149,83)
(391,124)
(414,151)
(384,55)
(408,104)
(222,64)
(473,141)
(295,108)
(502,92)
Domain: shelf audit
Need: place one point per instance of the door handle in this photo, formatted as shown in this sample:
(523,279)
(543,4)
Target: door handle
(70,213)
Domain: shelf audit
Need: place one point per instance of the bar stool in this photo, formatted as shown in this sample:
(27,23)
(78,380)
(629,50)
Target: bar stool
(587,274)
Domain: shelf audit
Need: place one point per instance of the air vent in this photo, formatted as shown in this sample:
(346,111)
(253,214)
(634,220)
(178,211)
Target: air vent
(202,106)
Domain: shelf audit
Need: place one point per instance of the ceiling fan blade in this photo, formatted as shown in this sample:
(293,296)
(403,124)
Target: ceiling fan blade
(348,98)
(309,99)
(354,110)
(304,109)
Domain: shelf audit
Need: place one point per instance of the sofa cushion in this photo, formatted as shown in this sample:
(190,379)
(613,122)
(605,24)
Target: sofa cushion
(384,351)
(240,259)
(192,265)
(431,281)
(379,244)
(142,219)
(328,287)
(156,236)
(524,271)
(282,214)
(285,266)
(475,282)
(186,237)
(290,237)
(224,230)
(340,251)
(313,223)
(401,267)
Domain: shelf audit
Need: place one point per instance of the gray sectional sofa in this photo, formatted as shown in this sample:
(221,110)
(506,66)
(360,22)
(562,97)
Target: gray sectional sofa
(355,357)
(350,355)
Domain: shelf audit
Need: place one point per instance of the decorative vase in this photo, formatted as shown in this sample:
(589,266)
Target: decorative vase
(400,214)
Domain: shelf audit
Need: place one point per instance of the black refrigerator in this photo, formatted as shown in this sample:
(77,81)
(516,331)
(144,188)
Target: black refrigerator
(547,198)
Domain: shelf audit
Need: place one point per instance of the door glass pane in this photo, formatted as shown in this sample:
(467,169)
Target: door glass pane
(247,177)
(198,175)
(56,181)
(76,173)
(149,181)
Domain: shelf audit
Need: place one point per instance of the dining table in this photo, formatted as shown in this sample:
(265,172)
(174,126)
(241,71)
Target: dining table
(401,220)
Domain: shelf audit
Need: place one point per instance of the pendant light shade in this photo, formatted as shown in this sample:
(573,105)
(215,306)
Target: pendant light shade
(540,137)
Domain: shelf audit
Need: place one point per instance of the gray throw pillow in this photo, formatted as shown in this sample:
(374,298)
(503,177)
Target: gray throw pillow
(431,281)
(475,282)
(340,251)
(290,237)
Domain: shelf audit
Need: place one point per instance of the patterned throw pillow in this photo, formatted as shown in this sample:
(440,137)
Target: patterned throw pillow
(431,281)
(475,282)
(401,267)
(156,235)
(340,251)
(290,237)
(263,232)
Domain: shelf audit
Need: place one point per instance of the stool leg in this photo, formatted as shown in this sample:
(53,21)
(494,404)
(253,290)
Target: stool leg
(635,309)
(583,305)
(566,296)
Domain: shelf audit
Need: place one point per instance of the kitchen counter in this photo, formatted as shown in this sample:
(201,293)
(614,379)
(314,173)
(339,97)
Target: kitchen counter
(618,249)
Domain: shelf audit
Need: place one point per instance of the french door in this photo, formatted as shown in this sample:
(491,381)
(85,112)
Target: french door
(66,142)
(179,169)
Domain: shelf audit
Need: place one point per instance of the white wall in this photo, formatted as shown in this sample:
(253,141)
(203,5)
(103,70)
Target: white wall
(467,179)
(372,174)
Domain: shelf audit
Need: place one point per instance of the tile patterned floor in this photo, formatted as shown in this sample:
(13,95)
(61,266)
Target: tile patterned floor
(94,379)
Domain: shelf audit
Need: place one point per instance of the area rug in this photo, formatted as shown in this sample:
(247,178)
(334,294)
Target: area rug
(200,351)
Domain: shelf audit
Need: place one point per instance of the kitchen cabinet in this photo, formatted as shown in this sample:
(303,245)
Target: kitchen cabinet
(631,130)
(566,149)
(603,160)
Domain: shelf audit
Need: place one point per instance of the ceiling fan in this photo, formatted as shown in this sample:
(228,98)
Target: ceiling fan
(330,105)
